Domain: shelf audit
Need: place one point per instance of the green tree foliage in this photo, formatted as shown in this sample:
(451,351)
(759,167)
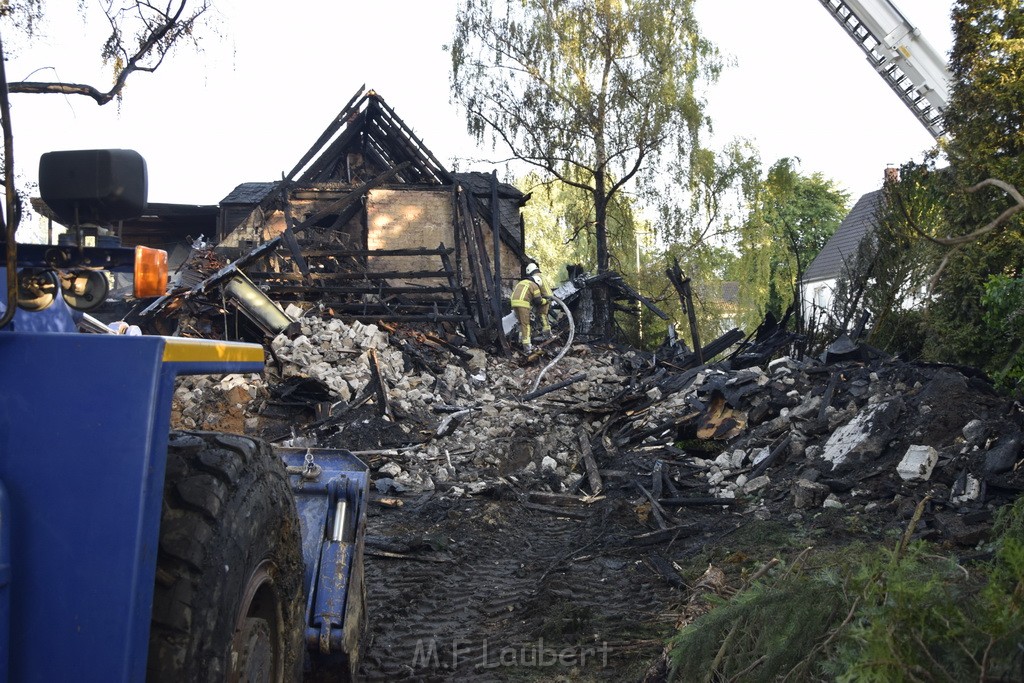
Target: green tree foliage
(591,92)
(560,229)
(791,217)
(1004,312)
(868,613)
(560,233)
(986,122)
(699,211)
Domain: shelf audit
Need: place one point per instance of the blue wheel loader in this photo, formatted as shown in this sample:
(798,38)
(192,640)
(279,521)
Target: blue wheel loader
(128,552)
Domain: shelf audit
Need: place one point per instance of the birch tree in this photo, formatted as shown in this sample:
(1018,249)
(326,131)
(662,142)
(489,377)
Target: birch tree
(590,92)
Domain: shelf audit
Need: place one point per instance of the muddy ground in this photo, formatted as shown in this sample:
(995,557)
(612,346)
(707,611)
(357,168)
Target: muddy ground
(495,591)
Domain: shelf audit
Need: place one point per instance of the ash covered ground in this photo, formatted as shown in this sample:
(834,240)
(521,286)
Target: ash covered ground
(563,536)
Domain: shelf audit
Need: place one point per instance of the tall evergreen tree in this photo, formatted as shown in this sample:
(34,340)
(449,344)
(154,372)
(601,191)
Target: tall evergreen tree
(985,120)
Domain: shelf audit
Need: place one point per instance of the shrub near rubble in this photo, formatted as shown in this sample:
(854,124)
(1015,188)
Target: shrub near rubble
(869,614)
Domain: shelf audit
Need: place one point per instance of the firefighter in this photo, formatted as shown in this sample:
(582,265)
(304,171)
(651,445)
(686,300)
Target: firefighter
(531,293)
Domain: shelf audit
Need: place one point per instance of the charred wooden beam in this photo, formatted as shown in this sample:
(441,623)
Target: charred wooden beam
(593,473)
(682,286)
(698,501)
(356,290)
(380,388)
(496,234)
(423,251)
(558,385)
(642,299)
(493,286)
(476,275)
(660,516)
(365,275)
(438,168)
(339,120)
(288,236)
(460,294)
(407,318)
(355,195)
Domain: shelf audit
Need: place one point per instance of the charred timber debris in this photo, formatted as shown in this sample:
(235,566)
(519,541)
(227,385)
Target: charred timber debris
(386,336)
(750,431)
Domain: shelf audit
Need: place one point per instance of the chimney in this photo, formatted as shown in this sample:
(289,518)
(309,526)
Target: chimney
(892,174)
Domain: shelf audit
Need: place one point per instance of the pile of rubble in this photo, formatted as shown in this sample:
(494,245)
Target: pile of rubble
(791,438)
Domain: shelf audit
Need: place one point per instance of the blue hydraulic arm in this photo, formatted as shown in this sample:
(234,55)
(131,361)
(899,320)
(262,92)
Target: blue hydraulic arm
(330,488)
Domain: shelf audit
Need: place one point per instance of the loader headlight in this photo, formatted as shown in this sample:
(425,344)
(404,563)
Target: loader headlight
(150,272)
(84,290)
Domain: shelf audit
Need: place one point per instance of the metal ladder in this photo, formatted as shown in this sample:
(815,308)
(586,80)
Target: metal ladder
(899,54)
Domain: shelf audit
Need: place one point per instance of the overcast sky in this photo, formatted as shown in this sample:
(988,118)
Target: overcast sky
(255,100)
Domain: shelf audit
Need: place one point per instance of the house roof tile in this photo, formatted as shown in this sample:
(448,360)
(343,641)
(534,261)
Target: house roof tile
(842,246)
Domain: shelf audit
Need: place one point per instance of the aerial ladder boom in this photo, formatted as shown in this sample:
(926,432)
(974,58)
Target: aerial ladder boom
(900,54)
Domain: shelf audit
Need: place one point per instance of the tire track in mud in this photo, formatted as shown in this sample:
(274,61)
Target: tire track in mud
(526,594)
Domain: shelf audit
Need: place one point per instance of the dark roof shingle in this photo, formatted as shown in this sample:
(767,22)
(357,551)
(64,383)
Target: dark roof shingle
(841,248)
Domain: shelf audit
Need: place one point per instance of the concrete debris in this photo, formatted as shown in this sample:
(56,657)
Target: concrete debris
(917,464)
(793,435)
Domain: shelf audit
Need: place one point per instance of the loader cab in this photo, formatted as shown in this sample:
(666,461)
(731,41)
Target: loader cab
(88,191)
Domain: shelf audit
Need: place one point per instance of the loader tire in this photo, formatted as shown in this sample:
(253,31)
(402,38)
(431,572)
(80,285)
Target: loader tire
(228,603)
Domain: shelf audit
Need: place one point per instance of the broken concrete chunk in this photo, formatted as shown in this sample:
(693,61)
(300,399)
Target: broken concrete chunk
(756,483)
(864,435)
(808,495)
(970,490)
(831,501)
(391,469)
(917,464)
(975,432)
(731,460)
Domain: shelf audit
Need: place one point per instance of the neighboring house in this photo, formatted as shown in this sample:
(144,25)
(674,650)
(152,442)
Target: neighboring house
(818,284)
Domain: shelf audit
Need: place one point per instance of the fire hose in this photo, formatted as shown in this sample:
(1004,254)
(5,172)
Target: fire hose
(568,343)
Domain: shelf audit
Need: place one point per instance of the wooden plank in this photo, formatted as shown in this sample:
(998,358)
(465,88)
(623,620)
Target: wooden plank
(483,312)
(329,277)
(593,473)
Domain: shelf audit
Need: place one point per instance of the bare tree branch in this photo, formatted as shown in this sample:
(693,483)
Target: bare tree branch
(162,29)
(957,242)
(998,221)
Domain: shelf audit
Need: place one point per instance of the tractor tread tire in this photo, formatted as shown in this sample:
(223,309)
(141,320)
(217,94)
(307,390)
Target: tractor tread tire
(227,510)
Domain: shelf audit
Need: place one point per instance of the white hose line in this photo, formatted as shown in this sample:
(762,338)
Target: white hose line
(572,333)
